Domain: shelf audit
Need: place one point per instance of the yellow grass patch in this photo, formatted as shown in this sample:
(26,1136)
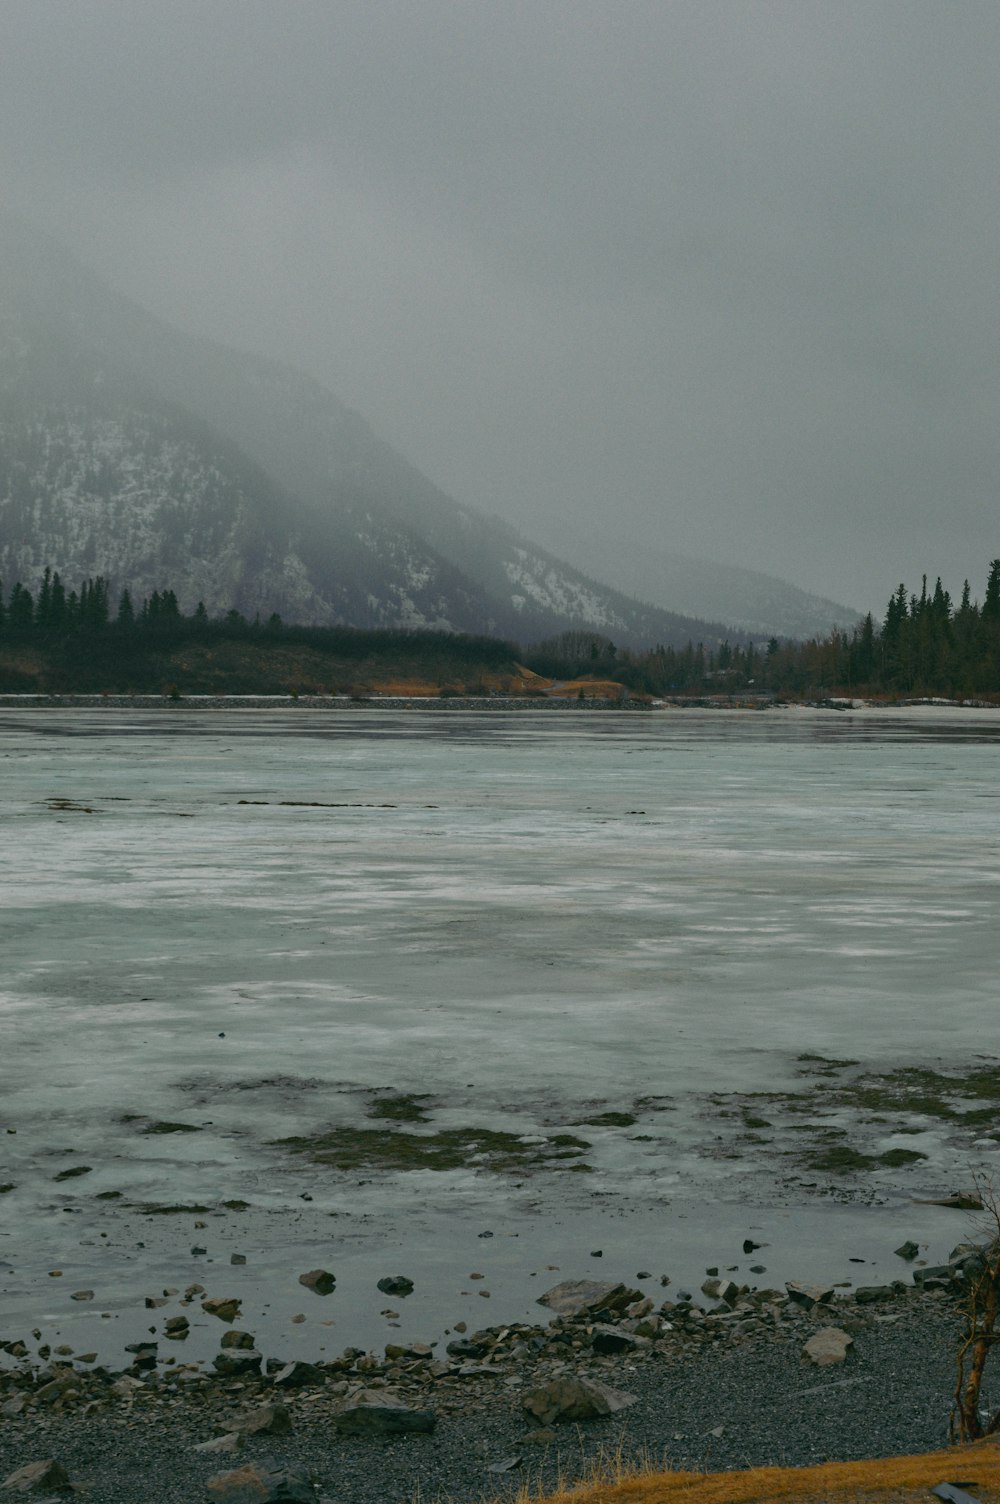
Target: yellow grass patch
(418,688)
(884,1480)
(593,689)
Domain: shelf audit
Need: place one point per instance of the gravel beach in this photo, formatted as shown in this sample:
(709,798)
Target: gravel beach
(715,1390)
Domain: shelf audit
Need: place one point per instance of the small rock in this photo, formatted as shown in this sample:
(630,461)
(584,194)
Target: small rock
(574,1296)
(574,1399)
(319,1280)
(264,1482)
(934,1276)
(230,1442)
(396,1284)
(907,1250)
(465,1348)
(808,1295)
(296,1374)
(867,1295)
(608,1339)
(236,1338)
(35,1476)
(375,1413)
(82,1295)
(237,1258)
(225,1307)
(265,1420)
(238,1362)
(721,1289)
(827,1346)
(507,1465)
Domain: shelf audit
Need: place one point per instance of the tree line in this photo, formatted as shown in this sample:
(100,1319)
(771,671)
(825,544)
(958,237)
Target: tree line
(924,645)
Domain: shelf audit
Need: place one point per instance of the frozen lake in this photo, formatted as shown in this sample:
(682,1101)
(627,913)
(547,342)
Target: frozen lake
(563,951)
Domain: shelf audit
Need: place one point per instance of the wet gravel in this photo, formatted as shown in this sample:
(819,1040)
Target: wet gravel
(720,1406)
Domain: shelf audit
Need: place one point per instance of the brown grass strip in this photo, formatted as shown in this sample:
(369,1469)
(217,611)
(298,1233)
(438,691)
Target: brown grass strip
(883,1480)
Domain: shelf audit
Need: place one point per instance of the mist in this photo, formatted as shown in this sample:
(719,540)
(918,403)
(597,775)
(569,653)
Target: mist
(720,275)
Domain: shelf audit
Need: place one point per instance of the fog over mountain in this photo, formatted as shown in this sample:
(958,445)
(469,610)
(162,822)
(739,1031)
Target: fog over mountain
(752,602)
(134,451)
(718,272)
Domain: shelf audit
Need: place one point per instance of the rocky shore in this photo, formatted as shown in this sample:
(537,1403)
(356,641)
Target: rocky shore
(741,1377)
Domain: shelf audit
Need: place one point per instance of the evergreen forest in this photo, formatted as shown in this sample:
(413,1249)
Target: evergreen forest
(60,640)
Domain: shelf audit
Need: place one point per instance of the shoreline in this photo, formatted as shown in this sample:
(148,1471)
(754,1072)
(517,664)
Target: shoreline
(489,703)
(729,1387)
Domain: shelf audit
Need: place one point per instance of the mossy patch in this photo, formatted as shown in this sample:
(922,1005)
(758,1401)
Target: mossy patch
(608,1120)
(919,1090)
(445,1149)
(73,1173)
(167,1127)
(893,1158)
(841,1159)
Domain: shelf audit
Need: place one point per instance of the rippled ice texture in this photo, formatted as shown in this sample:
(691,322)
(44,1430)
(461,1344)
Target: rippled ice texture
(533,918)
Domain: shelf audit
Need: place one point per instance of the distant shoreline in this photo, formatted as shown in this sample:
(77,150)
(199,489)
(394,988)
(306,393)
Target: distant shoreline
(489,703)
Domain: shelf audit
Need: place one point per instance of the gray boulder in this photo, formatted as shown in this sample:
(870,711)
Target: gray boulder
(610,1339)
(575,1297)
(808,1295)
(376,1412)
(35,1476)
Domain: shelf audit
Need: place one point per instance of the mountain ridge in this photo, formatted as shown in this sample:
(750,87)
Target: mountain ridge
(131,449)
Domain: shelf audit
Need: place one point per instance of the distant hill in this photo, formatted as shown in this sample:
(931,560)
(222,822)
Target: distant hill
(758,604)
(131,450)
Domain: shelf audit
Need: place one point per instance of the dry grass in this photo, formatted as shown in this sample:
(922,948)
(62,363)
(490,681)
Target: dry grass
(415,688)
(593,689)
(885,1480)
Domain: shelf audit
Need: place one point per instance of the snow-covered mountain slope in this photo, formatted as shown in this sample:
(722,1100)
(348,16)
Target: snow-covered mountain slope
(132,450)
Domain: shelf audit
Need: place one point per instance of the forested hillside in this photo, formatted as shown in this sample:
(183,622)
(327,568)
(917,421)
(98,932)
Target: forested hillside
(80,639)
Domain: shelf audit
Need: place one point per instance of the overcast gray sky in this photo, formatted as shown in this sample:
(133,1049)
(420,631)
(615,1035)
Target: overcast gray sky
(725,273)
